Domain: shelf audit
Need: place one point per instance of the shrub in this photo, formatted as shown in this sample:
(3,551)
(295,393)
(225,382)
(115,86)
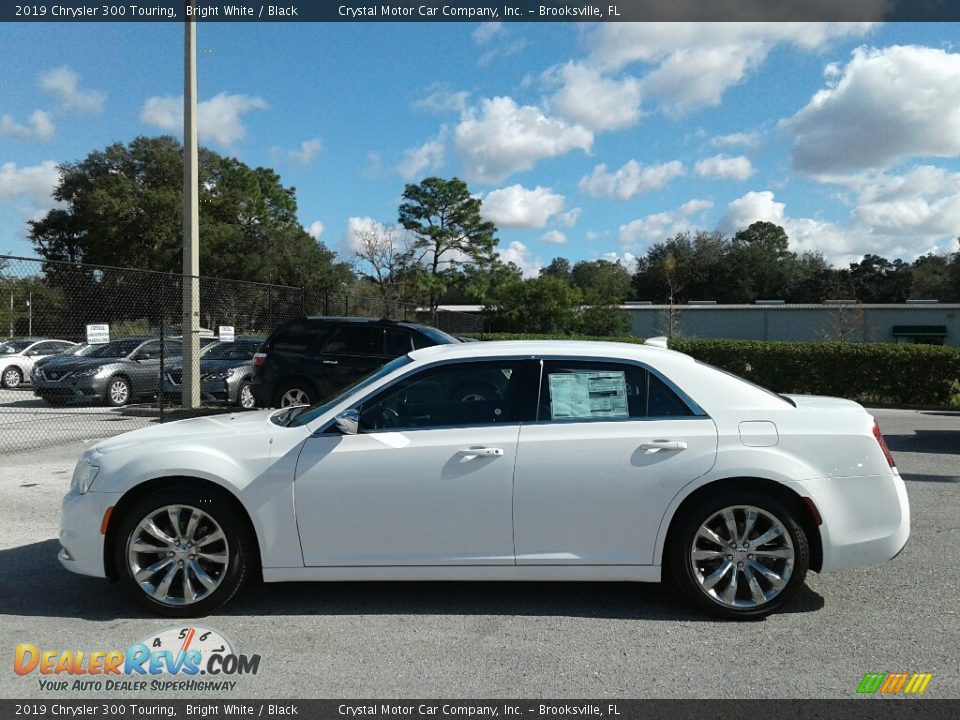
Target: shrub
(868,372)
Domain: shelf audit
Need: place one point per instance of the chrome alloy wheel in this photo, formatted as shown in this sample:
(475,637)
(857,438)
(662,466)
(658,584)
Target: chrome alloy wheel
(12,378)
(742,556)
(178,555)
(294,396)
(119,392)
(247,401)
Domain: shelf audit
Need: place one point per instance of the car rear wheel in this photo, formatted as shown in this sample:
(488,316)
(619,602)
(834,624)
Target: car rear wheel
(295,393)
(12,378)
(183,552)
(740,555)
(118,392)
(245,397)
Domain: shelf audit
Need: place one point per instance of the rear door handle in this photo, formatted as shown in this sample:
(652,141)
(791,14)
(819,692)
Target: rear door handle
(329,362)
(655,445)
(470,453)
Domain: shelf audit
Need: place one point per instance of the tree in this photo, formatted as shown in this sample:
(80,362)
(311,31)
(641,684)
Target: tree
(449,231)
(696,269)
(761,264)
(559,268)
(387,253)
(601,281)
(540,305)
(931,278)
(124,207)
(877,280)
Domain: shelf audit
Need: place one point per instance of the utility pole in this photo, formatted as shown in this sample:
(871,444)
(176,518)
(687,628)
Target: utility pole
(190,325)
(30,314)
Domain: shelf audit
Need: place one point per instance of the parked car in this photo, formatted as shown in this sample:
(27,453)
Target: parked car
(310,358)
(17,358)
(226,369)
(115,373)
(588,461)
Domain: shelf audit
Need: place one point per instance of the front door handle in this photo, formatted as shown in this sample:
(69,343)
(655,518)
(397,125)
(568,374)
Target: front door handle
(655,445)
(470,453)
(329,362)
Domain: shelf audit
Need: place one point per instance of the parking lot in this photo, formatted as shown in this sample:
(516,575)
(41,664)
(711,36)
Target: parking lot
(518,640)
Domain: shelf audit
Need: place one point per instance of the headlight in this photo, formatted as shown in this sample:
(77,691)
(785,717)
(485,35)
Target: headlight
(223,374)
(83,476)
(88,372)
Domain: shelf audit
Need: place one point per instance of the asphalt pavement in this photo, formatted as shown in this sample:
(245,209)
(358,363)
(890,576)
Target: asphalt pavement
(549,640)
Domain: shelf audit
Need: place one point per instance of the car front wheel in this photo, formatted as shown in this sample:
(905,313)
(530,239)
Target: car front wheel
(12,377)
(183,552)
(740,555)
(296,393)
(118,392)
(245,397)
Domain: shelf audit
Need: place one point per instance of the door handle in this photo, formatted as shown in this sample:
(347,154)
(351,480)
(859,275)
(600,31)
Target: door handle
(329,362)
(655,445)
(470,453)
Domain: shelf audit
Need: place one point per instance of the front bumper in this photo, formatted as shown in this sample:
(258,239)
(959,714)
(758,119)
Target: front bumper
(81,543)
(213,390)
(84,388)
(866,520)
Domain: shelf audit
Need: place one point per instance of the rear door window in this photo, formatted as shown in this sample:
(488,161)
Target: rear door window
(396,342)
(354,340)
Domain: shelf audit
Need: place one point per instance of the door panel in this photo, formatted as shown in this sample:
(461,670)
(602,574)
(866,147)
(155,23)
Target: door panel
(411,497)
(588,493)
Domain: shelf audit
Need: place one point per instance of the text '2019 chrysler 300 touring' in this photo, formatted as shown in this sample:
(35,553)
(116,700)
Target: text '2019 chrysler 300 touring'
(565,461)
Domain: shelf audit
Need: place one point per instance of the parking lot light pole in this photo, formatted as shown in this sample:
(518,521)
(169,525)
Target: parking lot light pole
(190,326)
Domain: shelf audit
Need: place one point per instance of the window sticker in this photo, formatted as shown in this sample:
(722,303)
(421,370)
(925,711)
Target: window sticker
(588,394)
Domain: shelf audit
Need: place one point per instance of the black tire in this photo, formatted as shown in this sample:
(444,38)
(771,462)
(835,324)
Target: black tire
(239,541)
(113,396)
(12,377)
(296,387)
(688,578)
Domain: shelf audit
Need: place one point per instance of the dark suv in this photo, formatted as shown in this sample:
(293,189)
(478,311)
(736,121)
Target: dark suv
(308,359)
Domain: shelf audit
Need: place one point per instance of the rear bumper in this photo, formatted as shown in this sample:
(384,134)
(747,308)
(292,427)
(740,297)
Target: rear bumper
(866,520)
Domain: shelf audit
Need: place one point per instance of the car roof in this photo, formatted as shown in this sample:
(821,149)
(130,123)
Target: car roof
(345,320)
(585,348)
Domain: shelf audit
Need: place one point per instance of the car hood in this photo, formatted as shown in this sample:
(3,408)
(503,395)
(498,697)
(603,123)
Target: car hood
(72,364)
(209,366)
(192,430)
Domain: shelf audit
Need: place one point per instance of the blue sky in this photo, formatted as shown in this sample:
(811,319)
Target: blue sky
(585,141)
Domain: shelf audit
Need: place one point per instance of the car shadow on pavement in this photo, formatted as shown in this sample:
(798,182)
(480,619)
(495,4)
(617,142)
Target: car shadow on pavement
(942,442)
(45,589)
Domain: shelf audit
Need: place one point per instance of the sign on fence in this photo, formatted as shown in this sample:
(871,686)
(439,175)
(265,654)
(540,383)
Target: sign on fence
(225,333)
(97,334)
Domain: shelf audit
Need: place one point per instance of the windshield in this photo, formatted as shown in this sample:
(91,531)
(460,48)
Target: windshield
(15,346)
(304,415)
(438,336)
(238,350)
(115,349)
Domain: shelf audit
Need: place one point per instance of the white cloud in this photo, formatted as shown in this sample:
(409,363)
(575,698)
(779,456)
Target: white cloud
(659,226)
(750,208)
(65,83)
(630,180)
(627,259)
(425,158)
(723,167)
(520,255)
(518,207)
(218,119)
(485,32)
(554,237)
(589,99)
(570,217)
(742,140)
(34,182)
(41,126)
(316,229)
(883,107)
(440,98)
(502,138)
(694,63)
(307,151)
(356,225)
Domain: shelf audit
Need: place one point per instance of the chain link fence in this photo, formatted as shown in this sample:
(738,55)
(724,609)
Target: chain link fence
(91,351)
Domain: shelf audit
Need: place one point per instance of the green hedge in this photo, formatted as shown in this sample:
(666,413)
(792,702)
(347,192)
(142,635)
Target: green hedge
(867,372)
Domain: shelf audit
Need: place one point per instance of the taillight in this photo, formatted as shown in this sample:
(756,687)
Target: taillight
(259,359)
(883,444)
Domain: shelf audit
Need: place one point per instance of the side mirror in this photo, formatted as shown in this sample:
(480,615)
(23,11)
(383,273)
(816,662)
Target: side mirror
(348,421)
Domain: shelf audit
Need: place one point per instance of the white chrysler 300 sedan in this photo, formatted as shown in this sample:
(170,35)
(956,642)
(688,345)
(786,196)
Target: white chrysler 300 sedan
(498,461)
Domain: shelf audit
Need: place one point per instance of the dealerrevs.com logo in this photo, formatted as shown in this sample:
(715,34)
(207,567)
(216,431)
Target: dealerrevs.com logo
(894,683)
(177,659)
